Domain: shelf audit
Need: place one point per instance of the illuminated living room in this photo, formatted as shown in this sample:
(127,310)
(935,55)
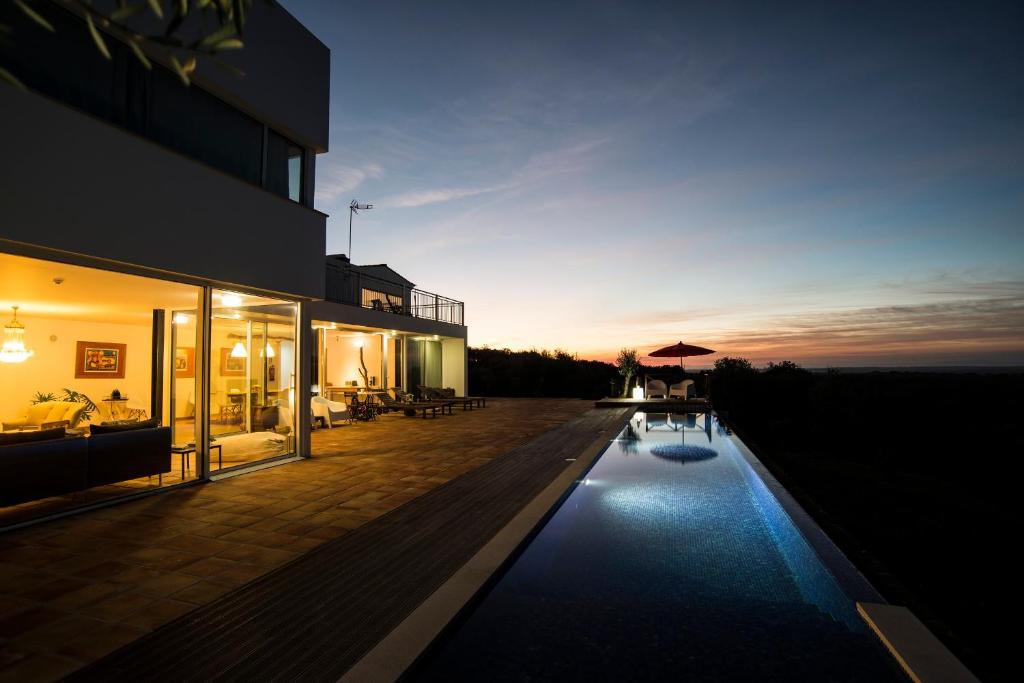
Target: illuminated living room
(100,372)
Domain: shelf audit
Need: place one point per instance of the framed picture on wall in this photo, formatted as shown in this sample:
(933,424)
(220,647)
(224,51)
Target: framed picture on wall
(231,366)
(184,362)
(99,360)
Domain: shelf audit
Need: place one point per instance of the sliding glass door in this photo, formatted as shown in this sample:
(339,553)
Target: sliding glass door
(252,382)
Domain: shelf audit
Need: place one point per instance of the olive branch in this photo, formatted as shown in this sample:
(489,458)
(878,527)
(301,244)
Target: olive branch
(227,18)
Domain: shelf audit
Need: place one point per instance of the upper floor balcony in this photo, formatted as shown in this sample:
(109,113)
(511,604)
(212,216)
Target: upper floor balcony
(378,287)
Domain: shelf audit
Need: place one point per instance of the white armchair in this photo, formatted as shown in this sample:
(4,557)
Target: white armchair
(681,389)
(330,411)
(655,389)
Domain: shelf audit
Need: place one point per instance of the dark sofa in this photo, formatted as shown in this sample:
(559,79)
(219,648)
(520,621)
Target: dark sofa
(38,469)
(35,469)
(117,456)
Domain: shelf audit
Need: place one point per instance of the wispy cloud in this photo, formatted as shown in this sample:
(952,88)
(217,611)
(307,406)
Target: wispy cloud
(964,330)
(424,197)
(334,180)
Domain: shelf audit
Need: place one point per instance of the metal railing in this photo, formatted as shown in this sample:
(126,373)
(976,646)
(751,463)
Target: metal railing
(349,286)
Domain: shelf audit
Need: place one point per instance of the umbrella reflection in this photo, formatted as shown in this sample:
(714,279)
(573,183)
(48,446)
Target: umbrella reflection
(683,452)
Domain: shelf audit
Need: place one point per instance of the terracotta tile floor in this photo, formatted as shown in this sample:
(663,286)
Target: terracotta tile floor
(74,590)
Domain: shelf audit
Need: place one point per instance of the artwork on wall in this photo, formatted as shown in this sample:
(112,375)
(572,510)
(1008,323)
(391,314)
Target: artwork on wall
(99,360)
(231,366)
(184,362)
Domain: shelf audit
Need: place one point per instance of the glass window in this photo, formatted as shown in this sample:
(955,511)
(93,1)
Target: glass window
(201,126)
(295,173)
(284,167)
(252,381)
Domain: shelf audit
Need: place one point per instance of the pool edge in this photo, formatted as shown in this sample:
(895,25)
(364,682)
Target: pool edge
(921,655)
(399,650)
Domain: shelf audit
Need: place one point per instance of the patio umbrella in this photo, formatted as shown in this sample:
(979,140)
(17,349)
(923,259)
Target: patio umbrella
(680,351)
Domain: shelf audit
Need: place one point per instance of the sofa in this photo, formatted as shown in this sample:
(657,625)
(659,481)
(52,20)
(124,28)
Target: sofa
(42,464)
(47,414)
(46,463)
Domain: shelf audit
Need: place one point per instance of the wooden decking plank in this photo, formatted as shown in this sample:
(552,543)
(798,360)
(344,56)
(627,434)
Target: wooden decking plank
(314,617)
(385,560)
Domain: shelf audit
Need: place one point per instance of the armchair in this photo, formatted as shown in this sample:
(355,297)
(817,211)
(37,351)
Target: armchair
(330,411)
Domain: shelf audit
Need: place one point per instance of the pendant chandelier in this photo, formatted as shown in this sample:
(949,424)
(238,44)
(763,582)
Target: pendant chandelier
(14,350)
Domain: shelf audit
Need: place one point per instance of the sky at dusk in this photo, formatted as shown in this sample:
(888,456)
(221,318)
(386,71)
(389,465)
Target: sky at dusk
(830,183)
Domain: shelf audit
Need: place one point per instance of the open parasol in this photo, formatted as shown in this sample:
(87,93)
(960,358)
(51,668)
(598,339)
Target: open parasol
(680,351)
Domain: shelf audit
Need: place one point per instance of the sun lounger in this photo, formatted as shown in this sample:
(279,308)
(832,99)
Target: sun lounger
(410,408)
(467,402)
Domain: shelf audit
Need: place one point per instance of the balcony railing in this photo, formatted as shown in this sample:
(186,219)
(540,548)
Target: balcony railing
(349,286)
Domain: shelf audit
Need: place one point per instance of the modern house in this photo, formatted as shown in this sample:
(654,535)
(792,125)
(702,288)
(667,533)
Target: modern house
(168,267)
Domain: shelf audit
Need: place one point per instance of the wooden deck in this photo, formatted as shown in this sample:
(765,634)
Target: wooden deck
(314,617)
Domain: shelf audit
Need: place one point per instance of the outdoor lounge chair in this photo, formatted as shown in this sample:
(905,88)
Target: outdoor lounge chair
(330,411)
(410,408)
(682,389)
(655,389)
(435,394)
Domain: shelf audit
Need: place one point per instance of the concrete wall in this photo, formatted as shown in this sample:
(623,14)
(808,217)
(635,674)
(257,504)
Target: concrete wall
(343,358)
(453,365)
(73,183)
(52,368)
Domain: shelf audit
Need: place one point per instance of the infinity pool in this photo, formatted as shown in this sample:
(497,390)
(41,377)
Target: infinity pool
(671,560)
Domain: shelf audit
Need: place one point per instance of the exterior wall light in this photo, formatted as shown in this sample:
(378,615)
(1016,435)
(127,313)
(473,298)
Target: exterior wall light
(14,350)
(638,392)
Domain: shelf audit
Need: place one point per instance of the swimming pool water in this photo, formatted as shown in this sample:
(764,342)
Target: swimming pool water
(671,560)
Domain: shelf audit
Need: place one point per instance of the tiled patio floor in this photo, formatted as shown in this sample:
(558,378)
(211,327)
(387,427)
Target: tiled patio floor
(73,590)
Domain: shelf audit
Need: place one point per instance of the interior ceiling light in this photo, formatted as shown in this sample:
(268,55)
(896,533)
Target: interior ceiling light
(14,350)
(238,350)
(230,300)
(181,318)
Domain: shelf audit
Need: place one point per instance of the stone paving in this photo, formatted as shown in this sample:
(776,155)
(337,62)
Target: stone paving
(74,590)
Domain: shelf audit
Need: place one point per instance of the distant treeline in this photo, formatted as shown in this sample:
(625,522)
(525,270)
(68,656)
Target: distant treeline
(549,374)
